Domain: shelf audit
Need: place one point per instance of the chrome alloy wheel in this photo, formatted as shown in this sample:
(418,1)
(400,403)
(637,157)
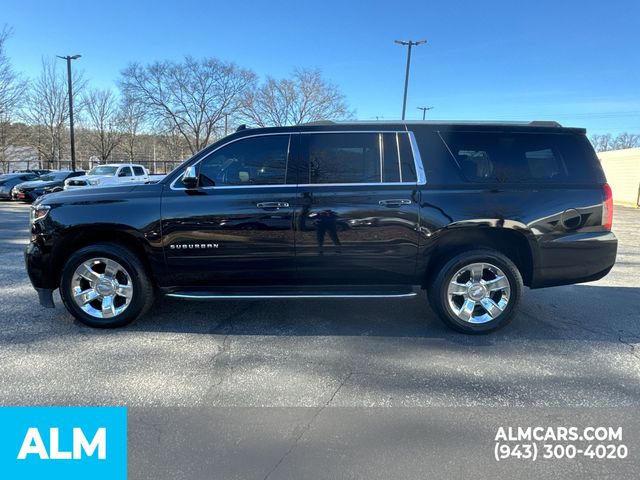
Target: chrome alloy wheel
(478,293)
(101,287)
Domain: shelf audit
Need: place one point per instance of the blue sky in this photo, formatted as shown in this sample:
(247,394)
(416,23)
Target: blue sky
(573,61)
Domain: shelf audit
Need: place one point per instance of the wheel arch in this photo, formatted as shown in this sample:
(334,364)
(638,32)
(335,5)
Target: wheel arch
(80,237)
(514,244)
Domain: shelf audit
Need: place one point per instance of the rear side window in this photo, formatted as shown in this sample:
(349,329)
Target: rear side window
(344,158)
(138,171)
(125,172)
(359,158)
(522,157)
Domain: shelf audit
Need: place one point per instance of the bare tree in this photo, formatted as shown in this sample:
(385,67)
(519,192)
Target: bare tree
(305,97)
(12,89)
(132,118)
(606,142)
(626,140)
(48,109)
(602,143)
(102,112)
(190,97)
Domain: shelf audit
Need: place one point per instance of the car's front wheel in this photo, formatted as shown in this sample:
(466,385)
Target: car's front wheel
(476,291)
(106,286)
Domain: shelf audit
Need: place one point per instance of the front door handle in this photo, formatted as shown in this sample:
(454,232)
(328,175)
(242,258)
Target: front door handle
(272,205)
(396,202)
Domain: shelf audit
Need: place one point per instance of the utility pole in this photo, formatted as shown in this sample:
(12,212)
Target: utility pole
(226,123)
(408,43)
(68,58)
(424,111)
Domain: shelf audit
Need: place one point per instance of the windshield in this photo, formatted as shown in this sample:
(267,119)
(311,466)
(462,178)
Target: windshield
(103,170)
(51,177)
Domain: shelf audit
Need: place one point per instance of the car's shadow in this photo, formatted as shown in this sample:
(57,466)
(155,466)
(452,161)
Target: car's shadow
(576,312)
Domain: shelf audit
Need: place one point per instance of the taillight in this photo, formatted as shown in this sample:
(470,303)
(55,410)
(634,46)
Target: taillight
(607,207)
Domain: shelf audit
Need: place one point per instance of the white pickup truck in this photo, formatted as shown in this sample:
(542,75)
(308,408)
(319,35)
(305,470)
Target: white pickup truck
(109,175)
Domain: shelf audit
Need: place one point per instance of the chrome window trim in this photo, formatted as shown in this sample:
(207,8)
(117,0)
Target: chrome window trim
(381,155)
(398,154)
(356,184)
(417,160)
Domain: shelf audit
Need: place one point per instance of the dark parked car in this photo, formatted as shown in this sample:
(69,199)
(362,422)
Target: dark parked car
(10,180)
(469,212)
(48,183)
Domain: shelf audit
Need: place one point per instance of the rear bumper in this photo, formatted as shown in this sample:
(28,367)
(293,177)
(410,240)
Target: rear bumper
(577,258)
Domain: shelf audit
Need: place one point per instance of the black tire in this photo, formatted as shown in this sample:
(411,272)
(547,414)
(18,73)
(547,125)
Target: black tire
(143,292)
(437,290)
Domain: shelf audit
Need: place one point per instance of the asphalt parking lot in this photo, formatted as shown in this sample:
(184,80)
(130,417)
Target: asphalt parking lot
(572,346)
(569,346)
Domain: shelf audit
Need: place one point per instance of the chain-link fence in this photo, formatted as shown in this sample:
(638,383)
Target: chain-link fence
(155,167)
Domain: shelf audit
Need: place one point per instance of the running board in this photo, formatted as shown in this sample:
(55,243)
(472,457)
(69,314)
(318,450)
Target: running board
(349,293)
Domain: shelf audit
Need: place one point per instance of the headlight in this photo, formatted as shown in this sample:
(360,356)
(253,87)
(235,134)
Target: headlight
(39,212)
(94,182)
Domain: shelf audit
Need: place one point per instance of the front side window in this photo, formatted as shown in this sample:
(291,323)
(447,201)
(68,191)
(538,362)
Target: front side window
(252,161)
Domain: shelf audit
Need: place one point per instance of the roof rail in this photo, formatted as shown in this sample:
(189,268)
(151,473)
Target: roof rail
(320,122)
(545,123)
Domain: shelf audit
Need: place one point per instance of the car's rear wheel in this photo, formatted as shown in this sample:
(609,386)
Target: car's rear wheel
(476,291)
(106,286)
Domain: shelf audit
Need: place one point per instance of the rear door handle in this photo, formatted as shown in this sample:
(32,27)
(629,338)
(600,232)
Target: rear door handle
(272,205)
(396,202)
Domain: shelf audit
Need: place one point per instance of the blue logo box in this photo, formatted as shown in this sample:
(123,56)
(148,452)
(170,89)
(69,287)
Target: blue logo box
(63,442)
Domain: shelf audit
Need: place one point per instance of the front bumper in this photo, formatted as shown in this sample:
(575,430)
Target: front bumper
(577,258)
(38,264)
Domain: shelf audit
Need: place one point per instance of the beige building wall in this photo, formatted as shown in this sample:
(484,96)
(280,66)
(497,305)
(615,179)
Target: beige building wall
(622,168)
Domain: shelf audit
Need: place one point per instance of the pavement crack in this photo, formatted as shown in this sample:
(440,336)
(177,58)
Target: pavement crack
(307,426)
(623,338)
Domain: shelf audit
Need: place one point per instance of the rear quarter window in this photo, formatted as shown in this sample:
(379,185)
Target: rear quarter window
(517,157)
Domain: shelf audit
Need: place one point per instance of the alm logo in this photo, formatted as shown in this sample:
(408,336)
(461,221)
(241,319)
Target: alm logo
(63,442)
(34,445)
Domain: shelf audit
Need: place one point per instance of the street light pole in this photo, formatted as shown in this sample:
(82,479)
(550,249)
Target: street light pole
(68,58)
(424,111)
(408,43)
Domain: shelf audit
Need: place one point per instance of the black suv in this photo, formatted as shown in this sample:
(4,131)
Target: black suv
(470,212)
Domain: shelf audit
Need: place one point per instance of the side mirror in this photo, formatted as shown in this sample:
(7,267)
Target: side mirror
(190,177)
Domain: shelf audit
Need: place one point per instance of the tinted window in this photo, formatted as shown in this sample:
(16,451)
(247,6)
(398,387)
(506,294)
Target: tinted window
(125,172)
(520,157)
(390,163)
(138,171)
(398,163)
(252,161)
(344,158)
(407,164)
